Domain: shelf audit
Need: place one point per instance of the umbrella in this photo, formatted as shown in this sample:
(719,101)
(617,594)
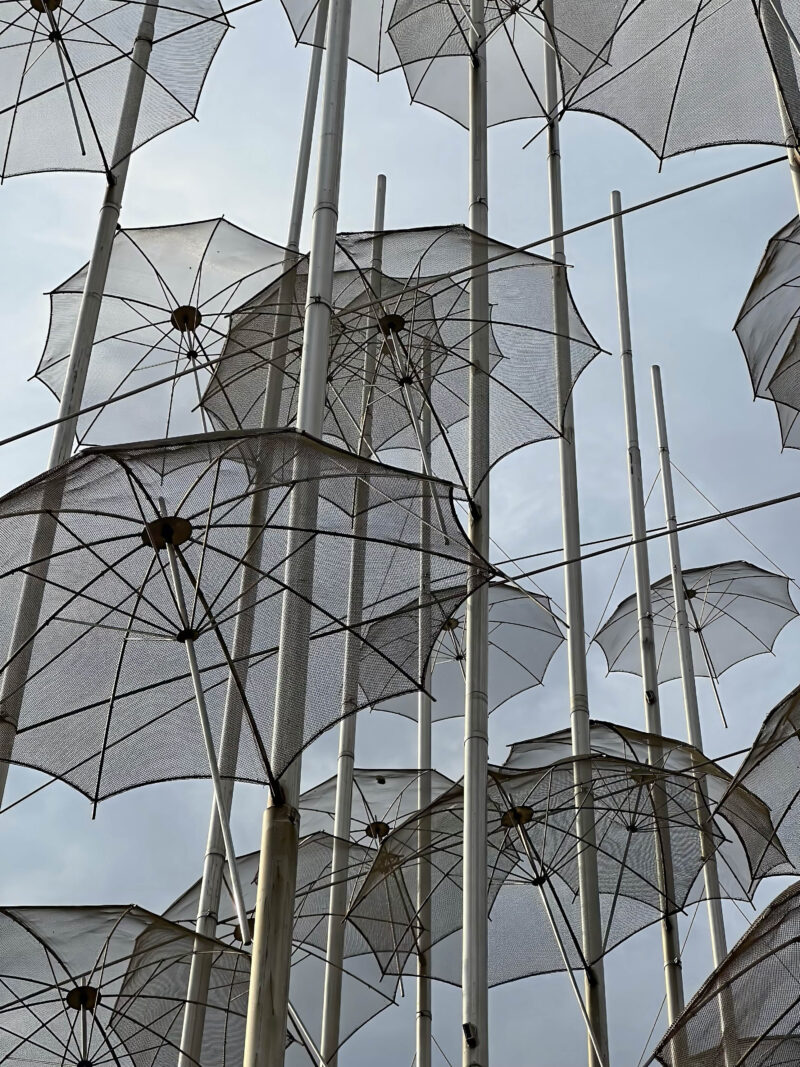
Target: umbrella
(524,635)
(66,69)
(747,1012)
(767,329)
(736,610)
(93,986)
(696,73)
(164,311)
(421,327)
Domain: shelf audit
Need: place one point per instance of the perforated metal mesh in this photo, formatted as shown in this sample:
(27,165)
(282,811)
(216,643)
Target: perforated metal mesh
(89,44)
(748,1010)
(108,704)
(133,966)
(735,610)
(423,284)
(695,73)
(164,312)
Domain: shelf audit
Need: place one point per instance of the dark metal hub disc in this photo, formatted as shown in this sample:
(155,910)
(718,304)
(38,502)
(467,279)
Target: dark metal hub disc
(377,830)
(45,5)
(186,318)
(83,996)
(237,932)
(451,624)
(391,324)
(516,816)
(171,530)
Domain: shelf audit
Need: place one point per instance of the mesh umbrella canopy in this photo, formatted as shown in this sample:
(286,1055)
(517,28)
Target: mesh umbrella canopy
(696,73)
(164,311)
(107,703)
(524,635)
(420,325)
(535,884)
(767,329)
(758,985)
(365,991)
(736,610)
(77,54)
(123,969)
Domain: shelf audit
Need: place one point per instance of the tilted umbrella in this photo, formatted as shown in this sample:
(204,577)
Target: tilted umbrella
(66,70)
(164,312)
(736,610)
(88,986)
(757,986)
(767,329)
(524,635)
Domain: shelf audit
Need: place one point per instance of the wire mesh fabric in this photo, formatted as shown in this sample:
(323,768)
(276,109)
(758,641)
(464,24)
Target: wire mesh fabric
(747,1012)
(695,73)
(127,970)
(524,635)
(369,43)
(107,703)
(767,329)
(164,313)
(420,324)
(735,610)
(66,65)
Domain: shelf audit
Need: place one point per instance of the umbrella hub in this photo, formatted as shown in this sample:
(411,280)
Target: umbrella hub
(169,530)
(451,624)
(391,323)
(519,815)
(377,830)
(690,594)
(84,1063)
(185,318)
(541,878)
(83,996)
(45,5)
(237,932)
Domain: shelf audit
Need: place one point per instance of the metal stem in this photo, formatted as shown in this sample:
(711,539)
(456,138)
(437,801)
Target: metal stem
(779,43)
(591,924)
(269,975)
(342,819)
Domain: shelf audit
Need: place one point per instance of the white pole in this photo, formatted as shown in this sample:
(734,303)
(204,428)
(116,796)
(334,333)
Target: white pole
(716,918)
(475,935)
(33,585)
(670,940)
(214,863)
(340,859)
(591,925)
(779,43)
(272,938)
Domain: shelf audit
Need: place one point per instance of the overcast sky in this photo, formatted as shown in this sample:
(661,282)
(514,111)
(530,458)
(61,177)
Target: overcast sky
(690,263)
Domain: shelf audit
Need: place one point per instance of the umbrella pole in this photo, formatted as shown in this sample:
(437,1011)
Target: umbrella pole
(780,42)
(214,863)
(716,919)
(340,858)
(272,937)
(474,968)
(670,939)
(591,924)
(32,591)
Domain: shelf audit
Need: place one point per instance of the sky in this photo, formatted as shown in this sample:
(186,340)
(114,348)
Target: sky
(690,263)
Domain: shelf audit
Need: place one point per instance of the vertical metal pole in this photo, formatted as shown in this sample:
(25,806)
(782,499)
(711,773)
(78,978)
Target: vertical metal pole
(334,956)
(272,937)
(716,919)
(214,864)
(474,969)
(670,939)
(33,584)
(591,925)
(776,33)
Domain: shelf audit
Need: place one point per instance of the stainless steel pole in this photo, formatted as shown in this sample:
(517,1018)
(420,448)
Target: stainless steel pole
(334,956)
(272,937)
(591,925)
(781,41)
(670,939)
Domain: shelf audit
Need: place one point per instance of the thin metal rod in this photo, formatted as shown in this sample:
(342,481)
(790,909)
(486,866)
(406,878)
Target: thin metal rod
(474,964)
(716,919)
(342,818)
(213,866)
(670,938)
(303,1031)
(591,924)
(272,941)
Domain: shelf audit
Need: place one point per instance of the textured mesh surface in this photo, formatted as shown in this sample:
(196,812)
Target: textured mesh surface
(748,1010)
(370,44)
(432,41)
(523,637)
(735,610)
(137,962)
(533,868)
(425,273)
(693,73)
(767,329)
(210,266)
(94,43)
(108,704)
